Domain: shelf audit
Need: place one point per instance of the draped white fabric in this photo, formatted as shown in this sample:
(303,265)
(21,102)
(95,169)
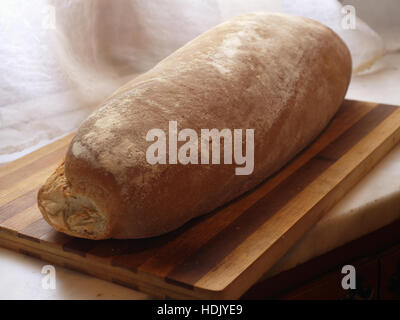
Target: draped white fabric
(59,59)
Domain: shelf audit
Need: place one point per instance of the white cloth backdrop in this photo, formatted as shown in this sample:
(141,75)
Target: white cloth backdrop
(59,59)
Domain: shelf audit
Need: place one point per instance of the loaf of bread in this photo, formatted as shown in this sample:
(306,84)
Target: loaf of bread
(278,77)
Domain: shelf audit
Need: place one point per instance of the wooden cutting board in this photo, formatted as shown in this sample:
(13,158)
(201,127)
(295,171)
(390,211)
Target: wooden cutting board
(219,255)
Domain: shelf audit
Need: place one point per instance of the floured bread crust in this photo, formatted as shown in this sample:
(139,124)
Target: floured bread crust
(283,76)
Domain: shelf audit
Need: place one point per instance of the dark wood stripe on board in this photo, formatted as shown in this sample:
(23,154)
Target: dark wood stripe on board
(214,251)
(129,254)
(79,246)
(17,205)
(54,238)
(36,229)
(30,254)
(26,237)
(76,268)
(125,284)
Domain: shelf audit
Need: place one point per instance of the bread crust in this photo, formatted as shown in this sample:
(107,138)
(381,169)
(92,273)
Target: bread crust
(283,76)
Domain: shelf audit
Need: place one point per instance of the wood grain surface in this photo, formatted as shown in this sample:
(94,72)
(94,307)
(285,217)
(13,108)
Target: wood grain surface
(223,253)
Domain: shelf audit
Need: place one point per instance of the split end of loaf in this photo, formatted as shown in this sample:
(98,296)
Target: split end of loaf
(71,210)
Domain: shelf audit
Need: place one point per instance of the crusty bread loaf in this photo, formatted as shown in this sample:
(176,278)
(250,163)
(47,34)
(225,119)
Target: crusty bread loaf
(283,76)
